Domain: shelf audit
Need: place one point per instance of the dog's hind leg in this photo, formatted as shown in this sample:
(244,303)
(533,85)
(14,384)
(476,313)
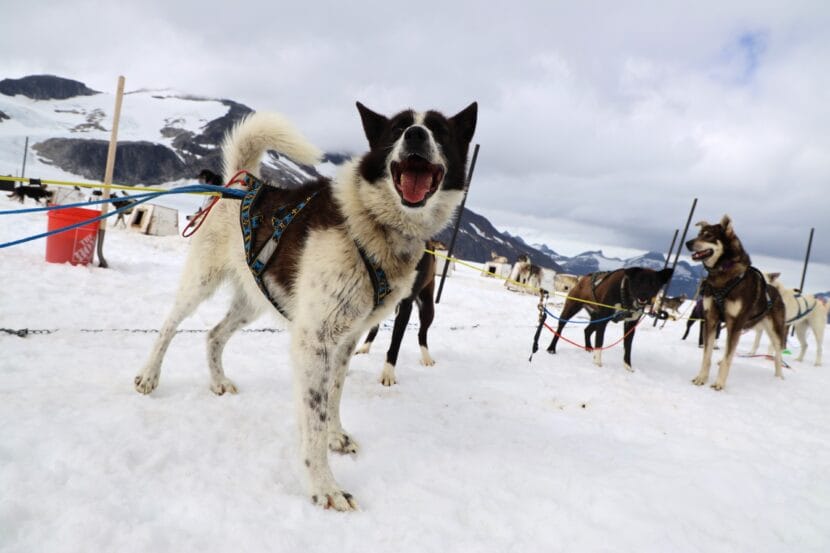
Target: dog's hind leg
(801,334)
(570,309)
(757,341)
(776,337)
(387,376)
(367,344)
(629,330)
(426,314)
(818,324)
(192,292)
(240,313)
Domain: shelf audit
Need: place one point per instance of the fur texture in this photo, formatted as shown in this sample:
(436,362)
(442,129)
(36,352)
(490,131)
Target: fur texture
(735,293)
(389,202)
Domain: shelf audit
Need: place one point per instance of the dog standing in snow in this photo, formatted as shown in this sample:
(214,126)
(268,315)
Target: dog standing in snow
(334,257)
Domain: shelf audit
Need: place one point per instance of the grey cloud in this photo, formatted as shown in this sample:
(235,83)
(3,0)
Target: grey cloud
(611,116)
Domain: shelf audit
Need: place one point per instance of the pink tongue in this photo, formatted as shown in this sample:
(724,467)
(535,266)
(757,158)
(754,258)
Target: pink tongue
(415,186)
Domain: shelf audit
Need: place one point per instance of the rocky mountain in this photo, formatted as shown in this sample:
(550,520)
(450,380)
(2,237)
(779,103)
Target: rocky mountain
(45,87)
(173,136)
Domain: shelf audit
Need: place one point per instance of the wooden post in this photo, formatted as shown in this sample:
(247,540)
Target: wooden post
(116,116)
(457,224)
(25,153)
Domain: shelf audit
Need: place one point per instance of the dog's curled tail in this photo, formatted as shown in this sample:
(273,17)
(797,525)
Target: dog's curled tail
(259,132)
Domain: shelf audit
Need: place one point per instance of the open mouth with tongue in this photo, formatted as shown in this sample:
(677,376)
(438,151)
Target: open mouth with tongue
(703,254)
(416,179)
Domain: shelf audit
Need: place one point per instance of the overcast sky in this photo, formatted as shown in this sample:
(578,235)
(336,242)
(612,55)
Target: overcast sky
(598,123)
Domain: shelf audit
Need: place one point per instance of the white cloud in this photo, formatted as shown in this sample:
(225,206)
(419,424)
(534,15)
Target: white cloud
(609,115)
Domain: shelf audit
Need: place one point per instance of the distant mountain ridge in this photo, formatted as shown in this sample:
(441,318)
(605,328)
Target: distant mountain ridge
(176,152)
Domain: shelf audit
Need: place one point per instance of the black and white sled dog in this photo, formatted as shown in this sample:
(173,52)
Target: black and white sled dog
(348,243)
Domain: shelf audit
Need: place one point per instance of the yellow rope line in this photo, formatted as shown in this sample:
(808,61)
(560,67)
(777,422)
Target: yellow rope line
(99,185)
(520,284)
(52,182)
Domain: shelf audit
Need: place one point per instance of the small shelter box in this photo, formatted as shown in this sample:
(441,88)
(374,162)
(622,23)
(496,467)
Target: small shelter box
(155,220)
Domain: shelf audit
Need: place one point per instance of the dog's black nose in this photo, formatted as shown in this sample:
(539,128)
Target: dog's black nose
(690,244)
(415,136)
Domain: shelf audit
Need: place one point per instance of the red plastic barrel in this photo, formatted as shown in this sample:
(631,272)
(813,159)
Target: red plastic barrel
(77,245)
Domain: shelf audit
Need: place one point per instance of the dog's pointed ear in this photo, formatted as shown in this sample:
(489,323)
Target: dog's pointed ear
(702,224)
(726,223)
(373,124)
(772,277)
(465,122)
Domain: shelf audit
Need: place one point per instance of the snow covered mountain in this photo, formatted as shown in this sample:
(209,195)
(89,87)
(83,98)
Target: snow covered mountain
(166,136)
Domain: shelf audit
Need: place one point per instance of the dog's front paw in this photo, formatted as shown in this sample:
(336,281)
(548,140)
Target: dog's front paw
(387,376)
(628,367)
(699,380)
(426,358)
(718,385)
(146,383)
(219,387)
(340,442)
(335,499)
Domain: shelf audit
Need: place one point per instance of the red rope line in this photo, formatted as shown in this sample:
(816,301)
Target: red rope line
(580,346)
(199,218)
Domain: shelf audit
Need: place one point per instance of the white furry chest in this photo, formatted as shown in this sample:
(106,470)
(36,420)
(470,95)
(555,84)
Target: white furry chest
(333,283)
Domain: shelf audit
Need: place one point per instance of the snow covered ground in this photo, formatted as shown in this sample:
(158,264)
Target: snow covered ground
(482,452)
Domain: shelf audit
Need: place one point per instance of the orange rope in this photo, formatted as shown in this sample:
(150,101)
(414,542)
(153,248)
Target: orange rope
(595,349)
(197,220)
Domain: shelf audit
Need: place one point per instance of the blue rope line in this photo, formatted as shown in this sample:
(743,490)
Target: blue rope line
(188,189)
(230,192)
(70,227)
(576,321)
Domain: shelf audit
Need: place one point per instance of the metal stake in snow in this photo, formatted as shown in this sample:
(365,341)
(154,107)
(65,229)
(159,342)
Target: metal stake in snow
(679,248)
(666,264)
(671,248)
(116,116)
(804,271)
(457,224)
